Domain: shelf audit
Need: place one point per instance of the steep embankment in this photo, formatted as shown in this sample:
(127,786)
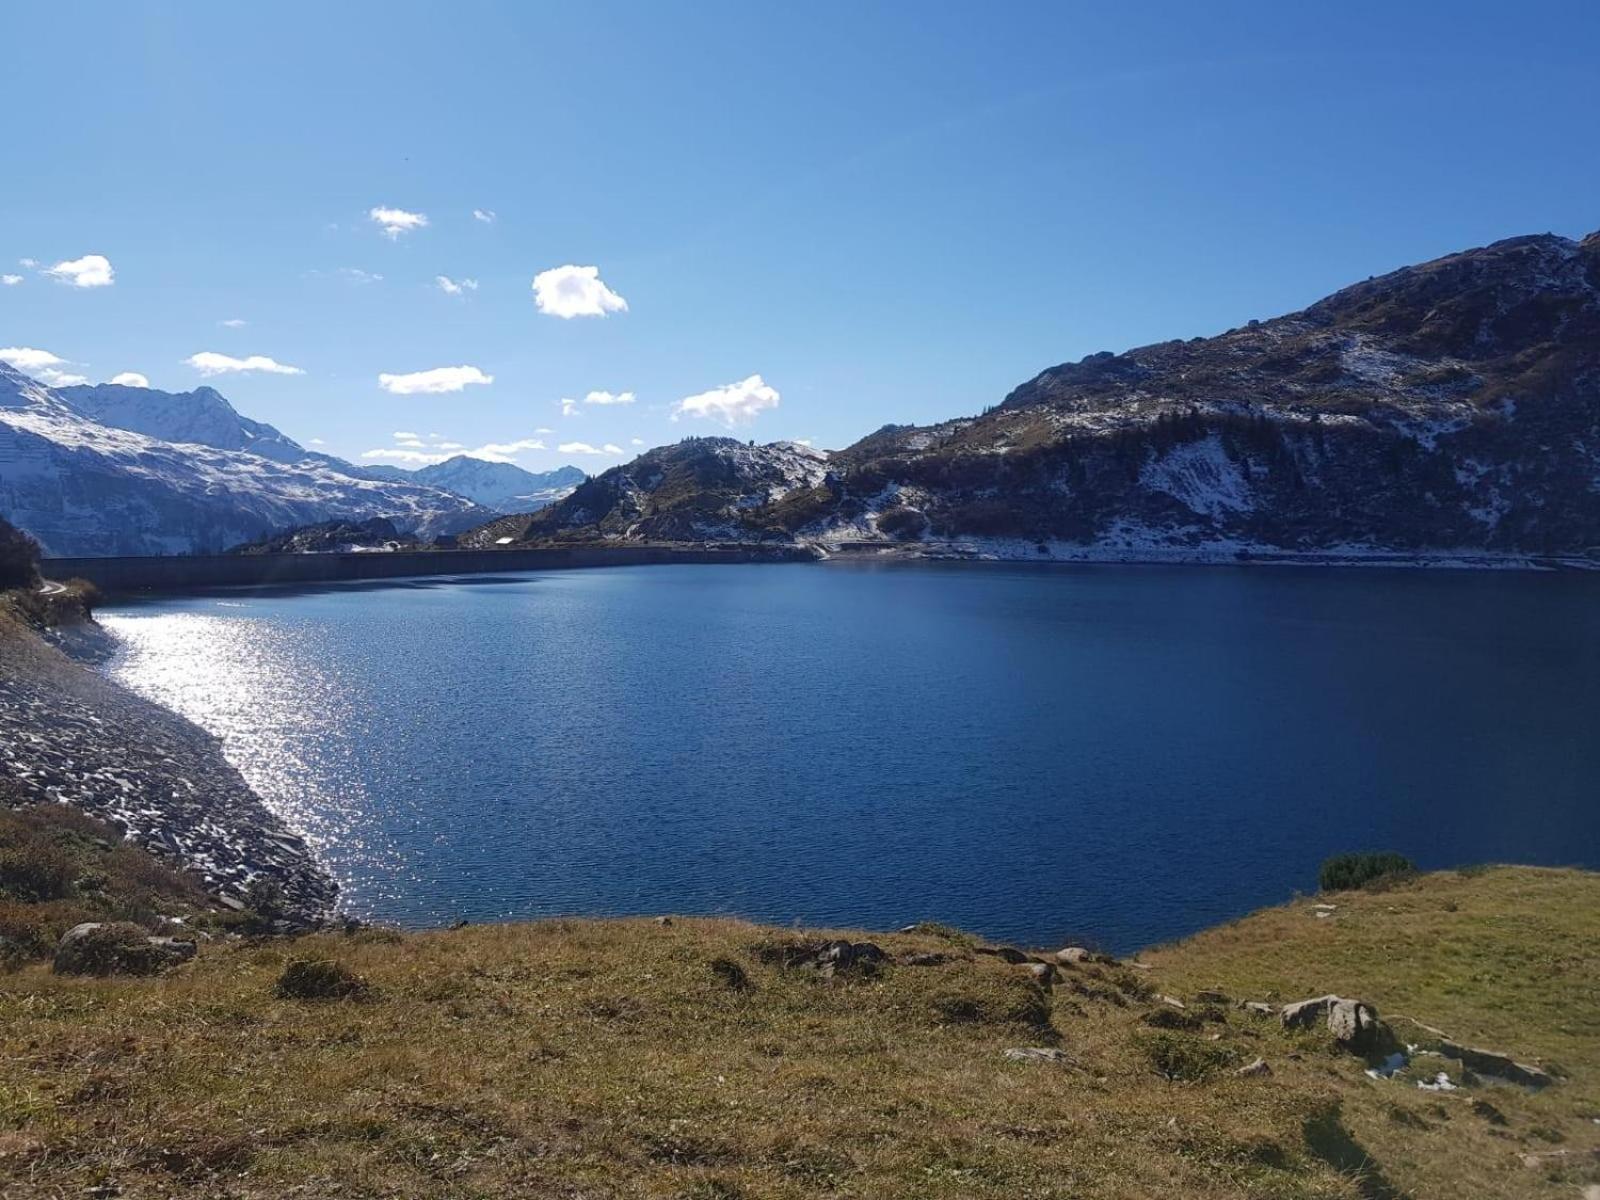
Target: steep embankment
(706,1058)
(1447,409)
(69,735)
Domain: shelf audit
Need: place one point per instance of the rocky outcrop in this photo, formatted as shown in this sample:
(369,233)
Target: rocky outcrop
(117,948)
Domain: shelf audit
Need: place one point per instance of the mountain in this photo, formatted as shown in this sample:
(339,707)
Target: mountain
(83,487)
(504,487)
(202,417)
(701,489)
(1451,407)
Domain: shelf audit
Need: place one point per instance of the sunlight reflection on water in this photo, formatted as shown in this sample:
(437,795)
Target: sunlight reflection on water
(264,690)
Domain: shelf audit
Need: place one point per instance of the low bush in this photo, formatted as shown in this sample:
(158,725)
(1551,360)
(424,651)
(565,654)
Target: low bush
(1345,872)
(320,979)
(1185,1059)
(19,557)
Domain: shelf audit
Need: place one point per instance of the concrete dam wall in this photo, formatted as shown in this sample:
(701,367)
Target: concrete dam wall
(125,576)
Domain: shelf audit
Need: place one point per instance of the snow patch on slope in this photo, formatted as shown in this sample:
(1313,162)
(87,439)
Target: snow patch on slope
(1201,476)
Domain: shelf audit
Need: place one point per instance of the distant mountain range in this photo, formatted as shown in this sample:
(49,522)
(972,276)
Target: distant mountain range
(120,470)
(504,487)
(1449,408)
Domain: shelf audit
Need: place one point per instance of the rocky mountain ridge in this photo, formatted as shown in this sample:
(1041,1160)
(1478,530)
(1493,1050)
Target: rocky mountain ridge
(1449,408)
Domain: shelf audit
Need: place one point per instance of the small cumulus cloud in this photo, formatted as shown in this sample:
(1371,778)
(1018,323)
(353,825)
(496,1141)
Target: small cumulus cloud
(486,215)
(607,398)
(233,323)
(317,442)
(439,379)
(731,404)
(635,441)
(42,365)
(586,448)
(208,362)
(572,291)
(569,407)
(505,451)
(455,287)
(420,458)
(395,221)
(10,280)
(130,379)
(92,270)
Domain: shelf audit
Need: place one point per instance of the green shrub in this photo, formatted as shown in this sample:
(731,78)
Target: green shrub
(1185,1059)
(34,872)
(1343,872)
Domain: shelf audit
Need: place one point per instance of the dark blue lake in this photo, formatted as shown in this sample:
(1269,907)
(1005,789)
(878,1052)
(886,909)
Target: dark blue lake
(1124,754)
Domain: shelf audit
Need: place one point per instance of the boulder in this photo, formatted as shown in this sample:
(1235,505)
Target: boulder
(1073,955)
(117,948)
(1254,1070)
(1306,1013)
(1008,954)
(1258,1008)
(1354,1025)
(1043,974)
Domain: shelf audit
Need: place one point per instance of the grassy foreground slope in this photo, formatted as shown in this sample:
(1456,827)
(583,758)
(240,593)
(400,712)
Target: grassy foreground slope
(628,1058)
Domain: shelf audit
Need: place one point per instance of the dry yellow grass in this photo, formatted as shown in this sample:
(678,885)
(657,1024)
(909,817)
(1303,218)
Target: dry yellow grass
(610,1058)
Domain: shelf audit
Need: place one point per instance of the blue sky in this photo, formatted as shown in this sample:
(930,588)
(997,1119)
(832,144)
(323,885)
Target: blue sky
(886,212)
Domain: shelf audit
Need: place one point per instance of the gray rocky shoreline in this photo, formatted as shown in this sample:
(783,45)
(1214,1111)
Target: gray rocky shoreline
(69,735)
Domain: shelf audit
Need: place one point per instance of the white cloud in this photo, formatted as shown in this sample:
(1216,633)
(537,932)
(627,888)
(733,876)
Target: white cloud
(486,215)
(636,441)
(586,448)
(30,263)
(452,287)
(439,379)
(575,292)
(400,435)
(605,398)
(357,276)
(544,429)
(208,362)
(419,457)
(395,221)
(130,379)
(731,404)
(42,365)
(10,280)
(26,358)
(505,451)
(569,408)
(317,442)
(92,270)
(414,452)
(233,323)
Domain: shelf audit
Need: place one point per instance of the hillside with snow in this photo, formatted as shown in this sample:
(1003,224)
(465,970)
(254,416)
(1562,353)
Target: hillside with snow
(88,486)
(1446,409)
